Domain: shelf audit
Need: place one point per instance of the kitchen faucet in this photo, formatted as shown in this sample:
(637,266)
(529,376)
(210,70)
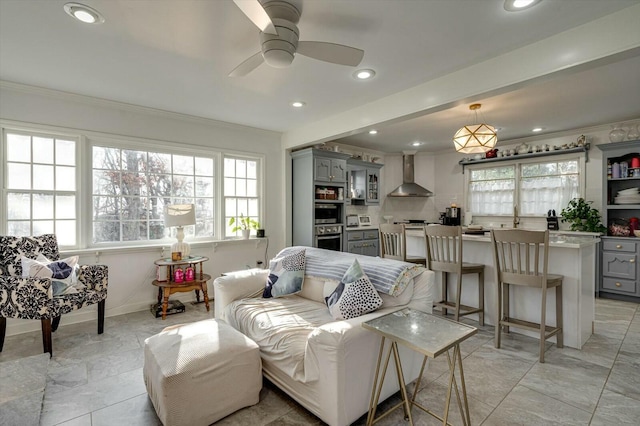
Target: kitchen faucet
(516,219)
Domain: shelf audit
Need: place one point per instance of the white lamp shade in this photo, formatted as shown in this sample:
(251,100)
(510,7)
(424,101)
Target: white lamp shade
(179,215)
(475,138)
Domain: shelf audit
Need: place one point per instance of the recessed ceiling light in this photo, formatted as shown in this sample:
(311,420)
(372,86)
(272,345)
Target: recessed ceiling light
(518,5)
(416,143)
(83,13)
(364,74)
(537,129)
(297,104)
(373,132)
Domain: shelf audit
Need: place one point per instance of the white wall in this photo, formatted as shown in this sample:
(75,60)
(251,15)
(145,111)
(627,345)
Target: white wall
(132,270)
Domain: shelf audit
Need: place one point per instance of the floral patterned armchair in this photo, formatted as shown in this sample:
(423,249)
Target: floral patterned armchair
(32,298)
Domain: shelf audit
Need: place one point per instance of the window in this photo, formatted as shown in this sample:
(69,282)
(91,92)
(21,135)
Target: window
(40,185)
(132,187)
(535,187)
(240,190)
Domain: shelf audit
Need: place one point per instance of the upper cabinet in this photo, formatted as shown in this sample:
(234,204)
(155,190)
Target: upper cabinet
(364,182)
(330,169)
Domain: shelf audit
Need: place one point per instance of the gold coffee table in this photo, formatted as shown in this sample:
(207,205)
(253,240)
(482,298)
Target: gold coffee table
(431,336)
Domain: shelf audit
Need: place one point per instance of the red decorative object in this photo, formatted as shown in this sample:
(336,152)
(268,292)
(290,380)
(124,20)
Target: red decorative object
(492,153)
(189,274)
(178,275)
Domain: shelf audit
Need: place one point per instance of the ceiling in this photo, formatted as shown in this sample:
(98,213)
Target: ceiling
(175,55)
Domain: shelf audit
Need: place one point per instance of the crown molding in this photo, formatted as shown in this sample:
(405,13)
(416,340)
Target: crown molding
(106,103)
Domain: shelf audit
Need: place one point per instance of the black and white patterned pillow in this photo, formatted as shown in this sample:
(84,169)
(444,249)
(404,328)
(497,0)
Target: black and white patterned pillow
(286,275)
(354,296)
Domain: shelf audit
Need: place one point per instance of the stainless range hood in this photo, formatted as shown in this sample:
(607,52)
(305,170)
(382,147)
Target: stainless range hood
(409,188)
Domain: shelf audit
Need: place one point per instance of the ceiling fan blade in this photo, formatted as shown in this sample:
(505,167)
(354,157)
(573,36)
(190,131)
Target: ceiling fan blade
(331,52)
(256,13)
(247,66)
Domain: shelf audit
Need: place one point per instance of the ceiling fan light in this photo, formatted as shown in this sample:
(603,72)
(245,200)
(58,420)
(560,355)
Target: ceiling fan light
(83,13)
(518,5)
(364,74)
(475,138)
(278,58)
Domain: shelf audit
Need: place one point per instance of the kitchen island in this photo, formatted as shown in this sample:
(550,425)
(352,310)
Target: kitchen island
(573,256)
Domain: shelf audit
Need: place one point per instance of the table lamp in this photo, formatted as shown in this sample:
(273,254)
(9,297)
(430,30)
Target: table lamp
(180,215)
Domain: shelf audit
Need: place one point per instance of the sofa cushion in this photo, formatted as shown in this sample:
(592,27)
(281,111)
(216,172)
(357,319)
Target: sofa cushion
(354,296)
(286,275)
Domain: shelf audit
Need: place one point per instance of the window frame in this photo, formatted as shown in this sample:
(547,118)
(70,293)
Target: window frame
(517,163)
(259,190)
(85,140)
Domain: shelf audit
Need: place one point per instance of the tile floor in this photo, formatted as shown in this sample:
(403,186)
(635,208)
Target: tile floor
(97,379)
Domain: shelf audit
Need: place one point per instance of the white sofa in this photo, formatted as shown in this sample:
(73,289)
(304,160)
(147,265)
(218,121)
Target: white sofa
(328,366)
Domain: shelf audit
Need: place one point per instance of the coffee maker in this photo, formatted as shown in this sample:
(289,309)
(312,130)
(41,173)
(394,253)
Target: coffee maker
(452,216)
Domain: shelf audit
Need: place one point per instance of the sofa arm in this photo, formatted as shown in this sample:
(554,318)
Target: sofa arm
(25,298)
(95,277)
(237,285)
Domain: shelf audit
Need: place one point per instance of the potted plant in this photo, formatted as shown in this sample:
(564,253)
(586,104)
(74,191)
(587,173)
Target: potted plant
(244,224)
(582,216)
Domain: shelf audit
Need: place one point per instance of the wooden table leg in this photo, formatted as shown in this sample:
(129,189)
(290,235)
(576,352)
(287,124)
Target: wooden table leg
(159,295)
(206,296)
(165,303)
(198,295)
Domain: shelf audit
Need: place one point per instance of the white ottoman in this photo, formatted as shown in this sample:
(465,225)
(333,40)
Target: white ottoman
(198,373)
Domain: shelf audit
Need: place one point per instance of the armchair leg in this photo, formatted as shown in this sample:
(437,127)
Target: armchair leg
(55,323)
(3,330)
(46,335)
(101,305)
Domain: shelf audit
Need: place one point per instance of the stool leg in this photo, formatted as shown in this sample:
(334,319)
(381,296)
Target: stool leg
(458,296)
(543,321)
(481,297)
(445,296)
(505,304)
(498,327)
(559,322)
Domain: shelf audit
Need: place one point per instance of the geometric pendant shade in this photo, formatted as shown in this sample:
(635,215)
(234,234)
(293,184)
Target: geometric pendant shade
(475,138)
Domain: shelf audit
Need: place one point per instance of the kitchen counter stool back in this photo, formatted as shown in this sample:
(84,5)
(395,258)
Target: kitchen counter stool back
(393,243)
(521,258)
(444,254)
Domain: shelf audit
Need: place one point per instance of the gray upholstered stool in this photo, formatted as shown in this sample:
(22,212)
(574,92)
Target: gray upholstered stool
(198,373)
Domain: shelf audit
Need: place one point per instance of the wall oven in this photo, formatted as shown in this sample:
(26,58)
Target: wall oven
(328,237)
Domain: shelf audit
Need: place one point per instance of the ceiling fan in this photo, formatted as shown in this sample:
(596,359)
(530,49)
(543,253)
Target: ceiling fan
(279,34)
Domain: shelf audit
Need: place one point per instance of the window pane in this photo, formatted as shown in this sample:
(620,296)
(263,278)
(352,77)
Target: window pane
(204,166)
(43,206)
(252,188)
(566,167)
(106,158)
(134,183)
(65,152)
(106,231)
(253,208)
(134,231)
(43,227)
(204,187)
(159,163)
(156,207)
(134,161)
(241,187)
(156,230)
(252,169)
(229,186)
(43,150)
(230,208)
(19,228)
(42,177)
(106,208)
(204,208)
(65,206)
(18,148)
(106,182)
(160,185)
(19,206)
(182,165)
(183,186)
(241,168)
(229,167)
(133,208)
(242,207)
(66,232)
(65,178)
(18,176)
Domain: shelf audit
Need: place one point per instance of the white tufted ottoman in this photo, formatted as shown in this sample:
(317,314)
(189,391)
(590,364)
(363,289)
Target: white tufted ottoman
(198,373)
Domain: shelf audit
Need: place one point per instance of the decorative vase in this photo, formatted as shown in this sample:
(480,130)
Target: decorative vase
(617,133)
(634,133)
(246,233)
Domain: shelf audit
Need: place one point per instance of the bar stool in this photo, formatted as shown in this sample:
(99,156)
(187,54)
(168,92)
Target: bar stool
(516,255)
(393,243)
(444,253)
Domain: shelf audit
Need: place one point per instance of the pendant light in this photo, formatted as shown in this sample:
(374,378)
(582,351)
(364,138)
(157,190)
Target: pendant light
(475,138)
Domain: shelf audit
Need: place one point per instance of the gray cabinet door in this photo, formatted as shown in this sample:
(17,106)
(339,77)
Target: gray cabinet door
(372,248)
(355,248)
(338,170)
(322,170)
(619,265)
(373,186)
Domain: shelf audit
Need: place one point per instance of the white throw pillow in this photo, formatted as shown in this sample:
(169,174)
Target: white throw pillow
(286,275)
(62,272)
(354,296)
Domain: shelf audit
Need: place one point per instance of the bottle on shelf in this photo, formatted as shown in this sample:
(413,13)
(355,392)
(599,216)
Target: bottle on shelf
(609,169)
(615,171)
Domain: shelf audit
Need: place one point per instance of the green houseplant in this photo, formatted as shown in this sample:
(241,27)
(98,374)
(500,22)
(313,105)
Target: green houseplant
(244,224)
(582,216)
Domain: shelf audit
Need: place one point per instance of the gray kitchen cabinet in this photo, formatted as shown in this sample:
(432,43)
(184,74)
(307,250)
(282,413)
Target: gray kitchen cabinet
(363,242)
(364,182)
(330,169)
(620,277)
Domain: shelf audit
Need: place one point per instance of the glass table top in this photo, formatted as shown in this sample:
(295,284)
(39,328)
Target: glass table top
(428,334)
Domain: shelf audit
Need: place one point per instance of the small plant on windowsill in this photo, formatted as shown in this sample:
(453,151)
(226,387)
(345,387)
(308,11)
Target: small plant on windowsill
(582,217)
(243,224)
